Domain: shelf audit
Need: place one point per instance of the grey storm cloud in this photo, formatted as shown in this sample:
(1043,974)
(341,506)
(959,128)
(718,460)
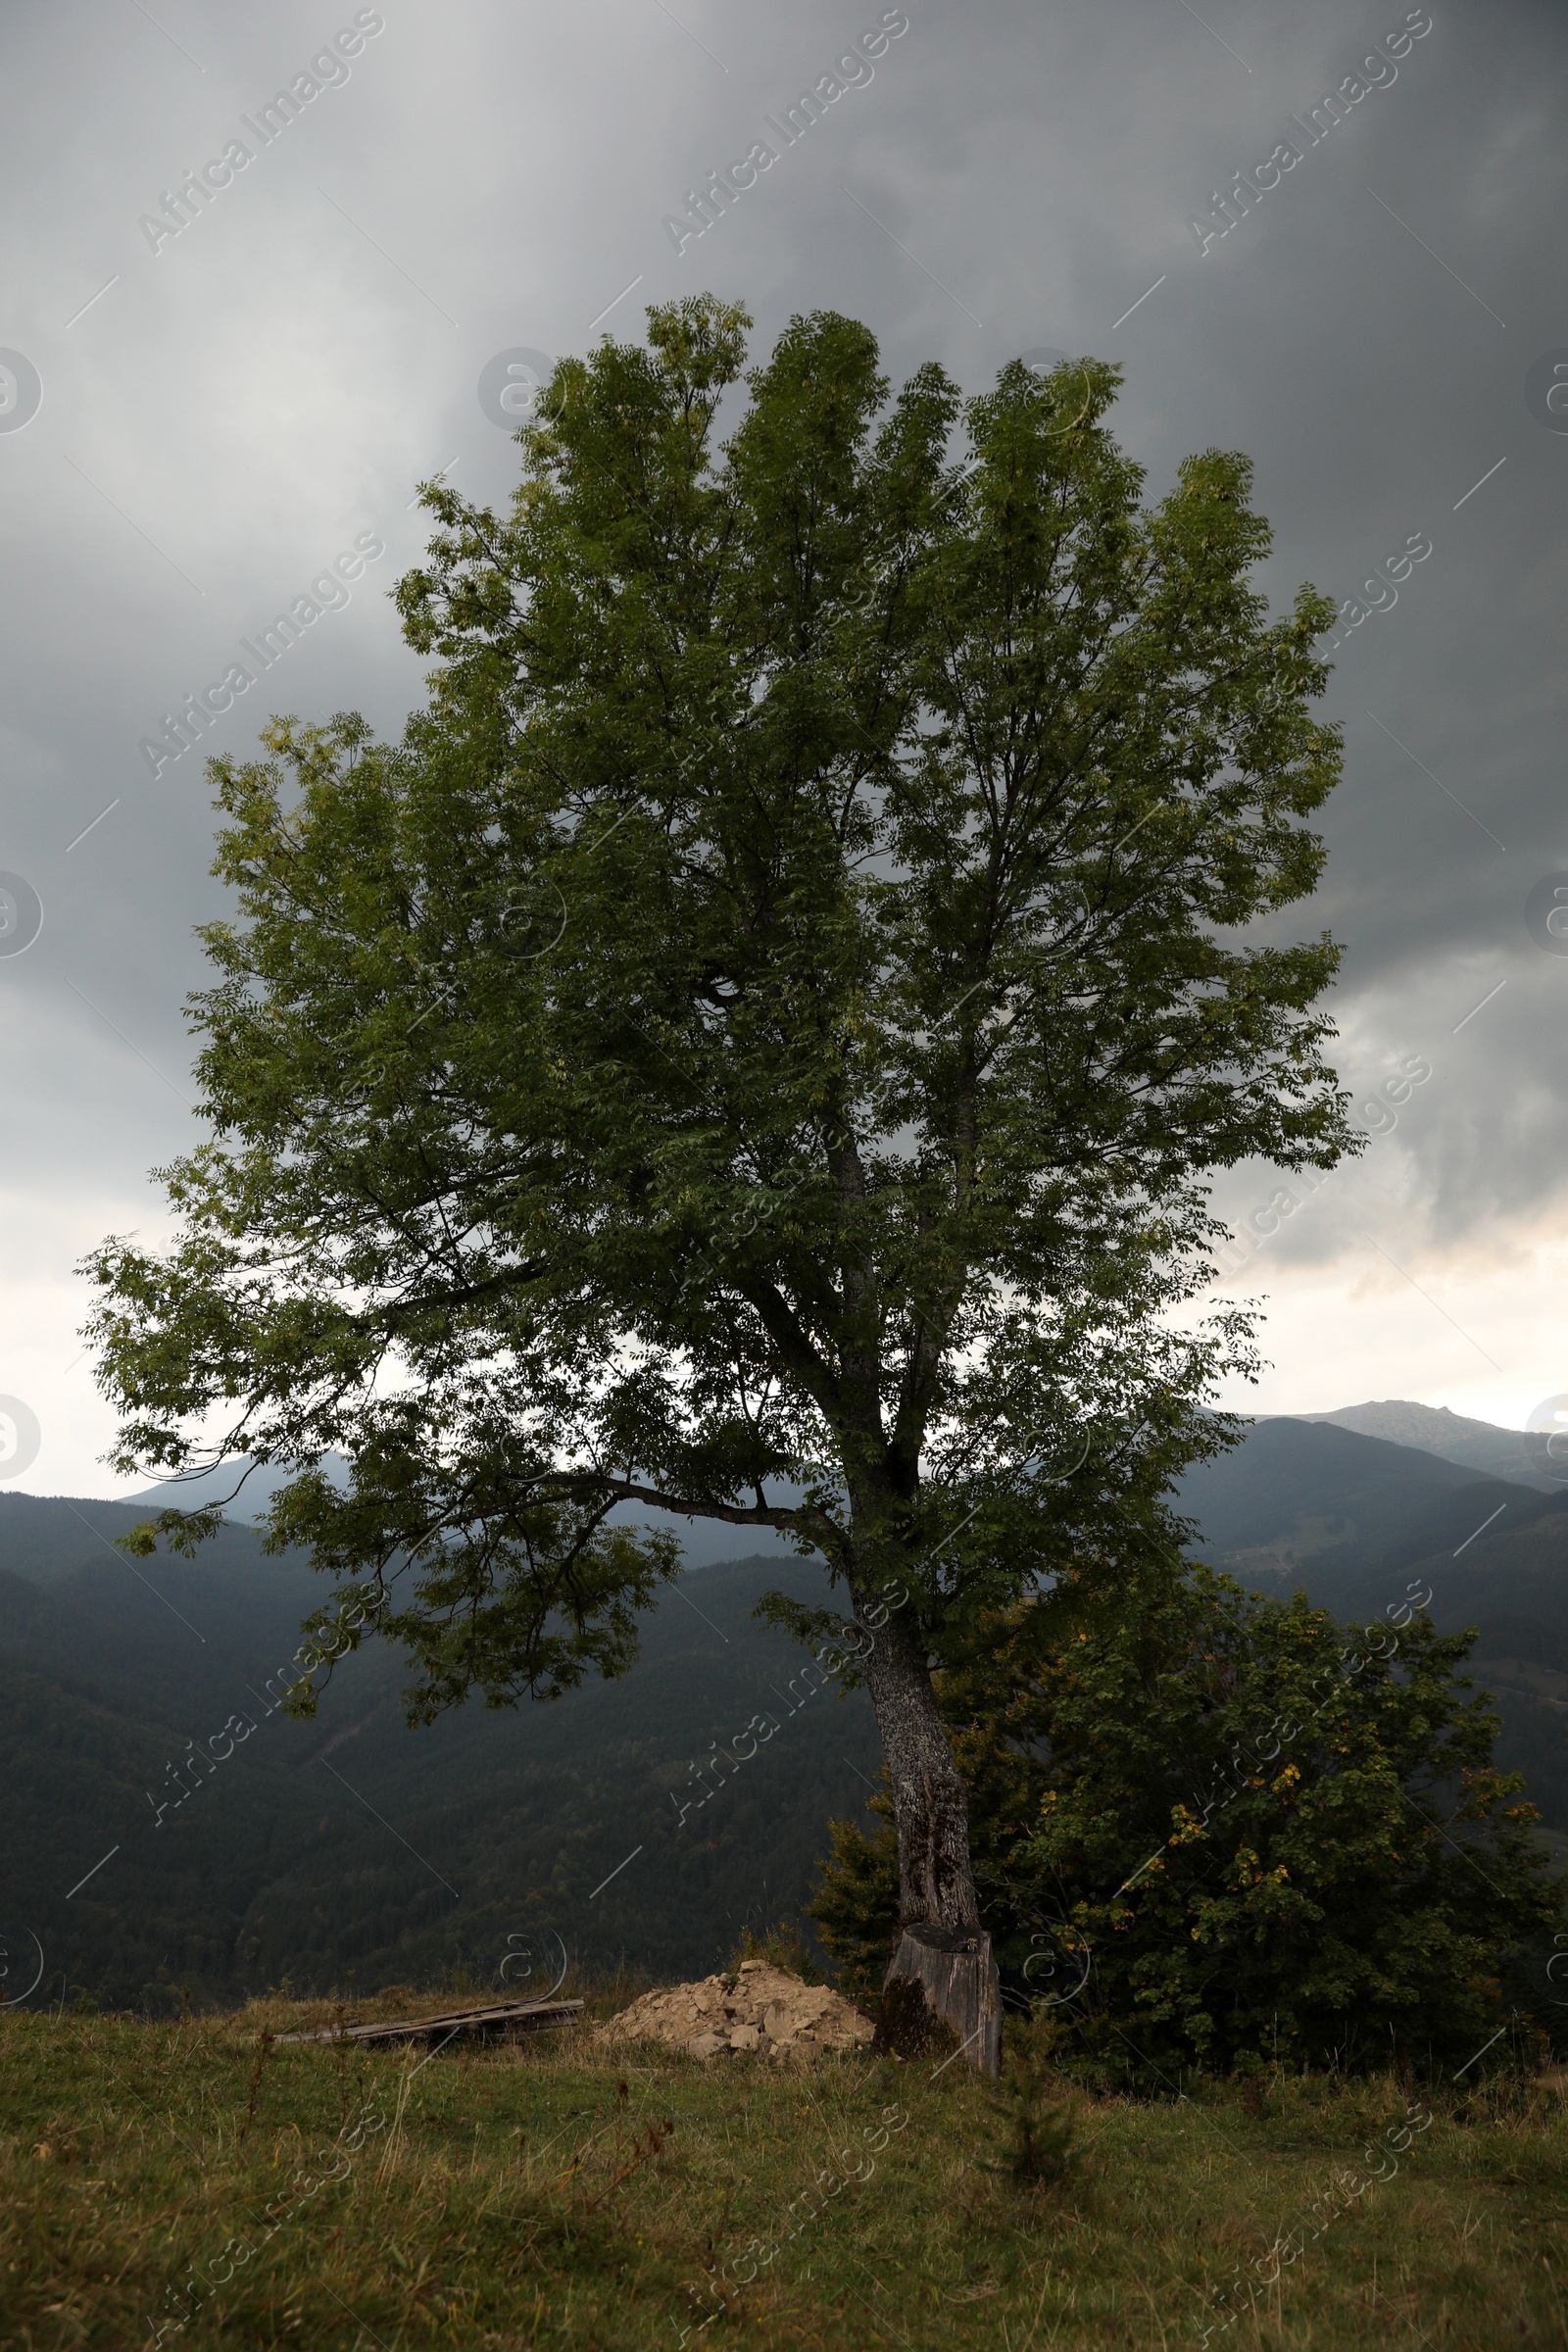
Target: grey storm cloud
(258,263)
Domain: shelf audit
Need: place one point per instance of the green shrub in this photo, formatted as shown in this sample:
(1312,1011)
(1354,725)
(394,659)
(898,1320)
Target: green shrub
(1037,2137)
(1278,1844)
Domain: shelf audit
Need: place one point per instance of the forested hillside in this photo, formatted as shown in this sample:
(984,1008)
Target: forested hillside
(352,1845)
(1364,1526)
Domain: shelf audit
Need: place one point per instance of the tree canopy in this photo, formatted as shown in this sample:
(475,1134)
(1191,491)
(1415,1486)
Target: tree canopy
(757,1046)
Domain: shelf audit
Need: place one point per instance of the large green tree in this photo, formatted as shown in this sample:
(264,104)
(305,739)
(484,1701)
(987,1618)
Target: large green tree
(755,1048)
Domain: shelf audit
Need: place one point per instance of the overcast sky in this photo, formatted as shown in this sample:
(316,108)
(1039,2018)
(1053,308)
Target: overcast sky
(196,426)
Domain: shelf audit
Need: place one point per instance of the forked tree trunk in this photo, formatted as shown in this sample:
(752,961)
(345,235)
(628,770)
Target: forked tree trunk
(942,1947)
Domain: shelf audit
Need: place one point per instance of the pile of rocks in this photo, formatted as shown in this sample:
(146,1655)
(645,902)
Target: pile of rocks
(760,2008)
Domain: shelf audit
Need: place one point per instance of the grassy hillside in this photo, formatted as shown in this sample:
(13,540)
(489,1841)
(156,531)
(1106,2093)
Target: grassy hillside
(184,2177)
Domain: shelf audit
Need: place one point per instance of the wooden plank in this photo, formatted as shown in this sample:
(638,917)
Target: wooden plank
(526,2015)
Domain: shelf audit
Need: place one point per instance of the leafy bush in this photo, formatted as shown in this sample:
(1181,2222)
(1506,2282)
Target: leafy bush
(1269,1842)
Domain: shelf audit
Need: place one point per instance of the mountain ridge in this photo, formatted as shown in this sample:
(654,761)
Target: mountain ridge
(1513,1453)
(351,1845)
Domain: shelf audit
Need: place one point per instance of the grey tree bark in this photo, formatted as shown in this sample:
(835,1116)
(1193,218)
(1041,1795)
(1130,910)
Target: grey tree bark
(942,1947)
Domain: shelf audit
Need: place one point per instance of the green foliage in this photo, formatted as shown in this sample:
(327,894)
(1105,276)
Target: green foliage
(1038,2132)
(856,1903)
(1266,1842)
(756,1047)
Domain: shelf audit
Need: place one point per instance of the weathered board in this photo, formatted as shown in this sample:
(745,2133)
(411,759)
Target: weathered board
(955,1970)
(502,2017)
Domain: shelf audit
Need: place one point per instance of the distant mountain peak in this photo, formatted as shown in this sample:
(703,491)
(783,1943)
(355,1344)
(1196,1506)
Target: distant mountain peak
(1452,1437)
(1406,1407)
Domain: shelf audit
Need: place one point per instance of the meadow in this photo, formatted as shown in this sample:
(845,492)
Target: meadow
(196,2183)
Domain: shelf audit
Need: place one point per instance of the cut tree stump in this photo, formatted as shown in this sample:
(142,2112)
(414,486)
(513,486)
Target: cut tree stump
(958,1978)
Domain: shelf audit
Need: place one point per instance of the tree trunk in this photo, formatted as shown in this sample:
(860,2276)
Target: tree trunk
(942,1947)
(951,1972)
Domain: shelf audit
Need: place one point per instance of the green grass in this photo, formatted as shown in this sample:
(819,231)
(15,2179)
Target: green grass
(530,2195)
